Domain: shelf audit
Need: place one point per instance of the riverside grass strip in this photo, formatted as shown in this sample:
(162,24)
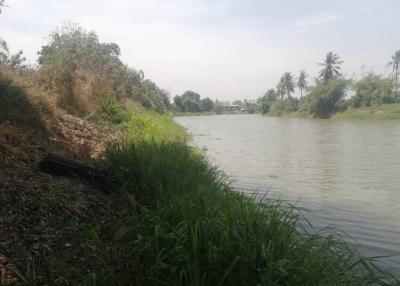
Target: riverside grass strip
(191,228)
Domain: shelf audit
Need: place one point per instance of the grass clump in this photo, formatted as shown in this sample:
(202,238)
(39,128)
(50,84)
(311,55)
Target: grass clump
(111,110)
(153,126)
(190,228)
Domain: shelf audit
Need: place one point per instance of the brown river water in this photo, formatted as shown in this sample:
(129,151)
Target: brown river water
(346,173)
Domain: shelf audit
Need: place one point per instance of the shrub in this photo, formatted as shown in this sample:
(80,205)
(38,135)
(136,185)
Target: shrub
(282,106)
(111,110)
(81,69)
(371,90)
(324,99)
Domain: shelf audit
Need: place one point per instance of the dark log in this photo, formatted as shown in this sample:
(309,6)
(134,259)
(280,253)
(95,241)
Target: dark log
(61,166)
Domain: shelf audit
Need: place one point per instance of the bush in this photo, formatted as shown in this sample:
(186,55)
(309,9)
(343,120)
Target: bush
(372,90)
(81,69)
(282,106)
(324,99)
(111,110)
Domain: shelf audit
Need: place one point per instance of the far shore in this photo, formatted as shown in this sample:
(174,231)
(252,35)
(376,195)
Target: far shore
(376,112)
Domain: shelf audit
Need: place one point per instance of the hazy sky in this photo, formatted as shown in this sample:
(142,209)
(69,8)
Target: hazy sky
(221,49)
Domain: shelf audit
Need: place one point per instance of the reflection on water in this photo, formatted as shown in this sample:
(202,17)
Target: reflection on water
(346,172)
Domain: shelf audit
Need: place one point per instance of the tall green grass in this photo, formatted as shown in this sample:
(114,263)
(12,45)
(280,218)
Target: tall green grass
(139,124)
(190,228)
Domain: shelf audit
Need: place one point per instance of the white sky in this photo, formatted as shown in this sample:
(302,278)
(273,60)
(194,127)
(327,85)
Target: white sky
(222,49)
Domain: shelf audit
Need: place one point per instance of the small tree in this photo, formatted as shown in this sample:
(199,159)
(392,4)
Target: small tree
(372,89)
(266,100)
(206,104)
(325,98)
(179,103)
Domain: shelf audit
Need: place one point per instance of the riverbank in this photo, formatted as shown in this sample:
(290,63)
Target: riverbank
(161,215)
(193,113)
(377,112)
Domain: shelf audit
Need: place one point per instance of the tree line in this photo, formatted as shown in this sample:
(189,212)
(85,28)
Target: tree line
(327,95)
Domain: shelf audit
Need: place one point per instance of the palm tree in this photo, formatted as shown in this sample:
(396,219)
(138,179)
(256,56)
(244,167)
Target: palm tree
(395,63)
(331,66)
(288,83)
(302,82)
(280,89)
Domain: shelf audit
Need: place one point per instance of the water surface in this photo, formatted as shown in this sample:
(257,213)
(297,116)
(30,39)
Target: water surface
(347,173)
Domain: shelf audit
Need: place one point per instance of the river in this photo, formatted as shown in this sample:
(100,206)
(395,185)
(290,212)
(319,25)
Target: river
(346,173)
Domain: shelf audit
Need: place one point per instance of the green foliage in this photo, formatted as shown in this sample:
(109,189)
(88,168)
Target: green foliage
(266,101)
(153,126)
(192,229)
(324,99)
(154,97)
(111,110)
(284,106)
(190,101)
(371,90)
(206,104)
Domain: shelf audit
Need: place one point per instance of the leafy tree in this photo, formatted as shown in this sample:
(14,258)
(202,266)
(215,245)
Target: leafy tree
(288,83)
(266,100)
(325,98)
(395,63)
(191,95)
(190,101)
(302,82)
(331,67)
(179,103)
(372,89)
(206,104)
(154,97)
(192,105)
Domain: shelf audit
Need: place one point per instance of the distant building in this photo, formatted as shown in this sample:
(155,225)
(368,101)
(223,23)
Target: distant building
(232,108)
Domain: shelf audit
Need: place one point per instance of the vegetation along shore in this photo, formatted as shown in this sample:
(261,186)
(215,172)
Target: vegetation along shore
(160,213)
(371,97)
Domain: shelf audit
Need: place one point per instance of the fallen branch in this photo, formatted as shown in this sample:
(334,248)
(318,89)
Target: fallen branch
(61,166)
